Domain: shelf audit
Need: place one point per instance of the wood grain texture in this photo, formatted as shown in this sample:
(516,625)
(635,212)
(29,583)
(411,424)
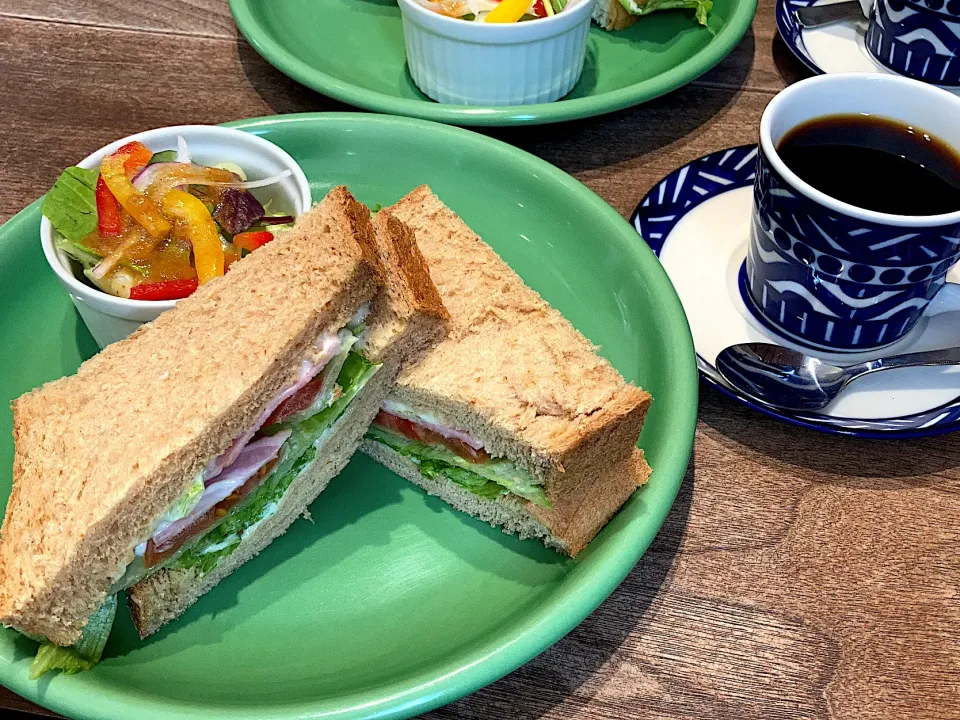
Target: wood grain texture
(798,576)
(194,17)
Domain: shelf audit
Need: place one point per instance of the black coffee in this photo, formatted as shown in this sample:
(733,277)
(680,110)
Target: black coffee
(875,163)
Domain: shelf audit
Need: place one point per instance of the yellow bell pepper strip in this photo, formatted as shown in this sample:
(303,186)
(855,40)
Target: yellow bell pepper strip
(200,229)
(141,208)
(508,11)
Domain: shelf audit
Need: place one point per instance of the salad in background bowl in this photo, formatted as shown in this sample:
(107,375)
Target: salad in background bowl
(144,221)
(498,59)
(496,11)
(609,14)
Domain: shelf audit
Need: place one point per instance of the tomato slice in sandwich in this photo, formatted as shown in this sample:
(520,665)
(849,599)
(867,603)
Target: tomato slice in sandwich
(415,431)
(152,556)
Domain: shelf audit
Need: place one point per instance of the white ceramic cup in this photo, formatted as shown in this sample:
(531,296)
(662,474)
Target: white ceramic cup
(111,318)
(476,63)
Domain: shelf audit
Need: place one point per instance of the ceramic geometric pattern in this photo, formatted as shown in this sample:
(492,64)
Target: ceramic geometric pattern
(832,280)
(918,39)
(791,31)
(709,177)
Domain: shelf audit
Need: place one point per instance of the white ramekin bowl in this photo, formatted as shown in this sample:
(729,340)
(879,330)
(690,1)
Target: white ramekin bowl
(111,318)
(475,63)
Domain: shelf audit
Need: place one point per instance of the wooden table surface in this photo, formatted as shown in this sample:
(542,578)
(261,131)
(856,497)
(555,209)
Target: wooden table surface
(798,576)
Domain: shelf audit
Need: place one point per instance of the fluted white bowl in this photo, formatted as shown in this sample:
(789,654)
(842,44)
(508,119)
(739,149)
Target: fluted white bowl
(476,63)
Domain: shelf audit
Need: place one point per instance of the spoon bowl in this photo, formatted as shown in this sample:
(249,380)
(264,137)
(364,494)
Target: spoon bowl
(785,378)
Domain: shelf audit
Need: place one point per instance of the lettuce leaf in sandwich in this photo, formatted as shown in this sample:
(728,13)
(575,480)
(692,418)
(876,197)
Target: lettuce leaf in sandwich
(645,7)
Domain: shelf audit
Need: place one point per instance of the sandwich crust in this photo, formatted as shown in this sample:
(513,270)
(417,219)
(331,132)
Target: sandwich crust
(611,15)
(516,375)
(516,516)
(102,454)
(407,317)
(168,593)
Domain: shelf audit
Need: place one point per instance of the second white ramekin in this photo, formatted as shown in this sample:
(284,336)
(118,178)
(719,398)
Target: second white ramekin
(475,63)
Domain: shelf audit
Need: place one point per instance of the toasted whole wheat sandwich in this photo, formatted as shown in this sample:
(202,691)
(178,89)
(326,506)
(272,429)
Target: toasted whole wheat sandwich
(612,15)
(513,417)
(176,455)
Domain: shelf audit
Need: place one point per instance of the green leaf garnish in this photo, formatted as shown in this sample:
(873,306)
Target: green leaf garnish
(71,204)
(85,653)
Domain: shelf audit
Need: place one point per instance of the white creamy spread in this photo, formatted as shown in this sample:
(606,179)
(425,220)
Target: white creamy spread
(359,316)
(268,512)
(326,347)
(430,422)
(227,542)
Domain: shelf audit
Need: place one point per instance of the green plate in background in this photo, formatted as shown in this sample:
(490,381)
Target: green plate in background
(390,603)
(353,50)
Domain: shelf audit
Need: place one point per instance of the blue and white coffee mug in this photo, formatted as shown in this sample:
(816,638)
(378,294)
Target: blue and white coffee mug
(917,38)
(832,276)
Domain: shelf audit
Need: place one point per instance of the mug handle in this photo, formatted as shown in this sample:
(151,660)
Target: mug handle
(947,300)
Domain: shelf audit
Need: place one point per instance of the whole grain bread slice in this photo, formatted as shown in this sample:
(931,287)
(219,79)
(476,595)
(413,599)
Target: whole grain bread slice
(101,455)
(520,378)
(514,515)
(611,15)
(407,318)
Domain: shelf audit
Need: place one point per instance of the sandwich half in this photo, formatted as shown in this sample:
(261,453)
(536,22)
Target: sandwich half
(177,454)
(325,421)
(513,417)
(621,14)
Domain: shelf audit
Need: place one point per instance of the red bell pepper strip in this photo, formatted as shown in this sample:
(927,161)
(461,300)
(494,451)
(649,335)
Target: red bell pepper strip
(252,240)
(138,156)
(108,211)
(165,290)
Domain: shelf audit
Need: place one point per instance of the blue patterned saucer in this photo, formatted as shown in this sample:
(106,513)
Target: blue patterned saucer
(697,221)
(837,48)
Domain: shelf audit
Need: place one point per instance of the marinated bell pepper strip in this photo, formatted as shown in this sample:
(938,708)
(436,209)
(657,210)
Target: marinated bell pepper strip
(108,211)
(508,11)
(252,240)
(201,231)
(165,290)
(138,157)
(141,208)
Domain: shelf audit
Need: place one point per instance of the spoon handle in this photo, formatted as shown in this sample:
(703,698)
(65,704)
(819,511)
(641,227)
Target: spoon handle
(817,15)
(947,356)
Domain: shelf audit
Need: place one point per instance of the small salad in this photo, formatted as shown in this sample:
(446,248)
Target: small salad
(497,11)
(155,225)
(511,11)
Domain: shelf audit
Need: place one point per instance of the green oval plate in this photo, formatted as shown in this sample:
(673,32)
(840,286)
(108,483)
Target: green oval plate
(390,602)
(353,50)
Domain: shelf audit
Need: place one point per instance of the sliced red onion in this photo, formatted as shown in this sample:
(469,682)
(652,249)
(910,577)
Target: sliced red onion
(329,345)
(253,457)
(251,184)
(183,152)
(100,270)
(150,172)
(146,176)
